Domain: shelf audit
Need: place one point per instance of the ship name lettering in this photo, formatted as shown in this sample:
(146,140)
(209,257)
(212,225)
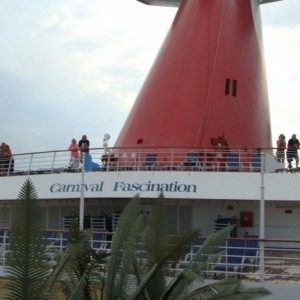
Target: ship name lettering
(67,188)
(155,187)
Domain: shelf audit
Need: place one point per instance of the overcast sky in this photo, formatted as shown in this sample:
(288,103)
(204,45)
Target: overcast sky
(73,67)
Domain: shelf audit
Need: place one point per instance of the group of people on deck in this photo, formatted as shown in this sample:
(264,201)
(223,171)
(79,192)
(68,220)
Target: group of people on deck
(291,150)
(7,160)
(83,146)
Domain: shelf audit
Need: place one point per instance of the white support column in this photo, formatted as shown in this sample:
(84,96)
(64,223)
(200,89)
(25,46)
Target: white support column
(81,205)
(262,220)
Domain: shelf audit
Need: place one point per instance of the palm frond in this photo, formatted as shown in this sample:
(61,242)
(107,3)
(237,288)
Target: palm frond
(157,219)
(226,289)
(162,251)
(77,267)
(140,290)
(123,248)
(207,254)
(26,264)
(182,283)
(210,251)
(67,259)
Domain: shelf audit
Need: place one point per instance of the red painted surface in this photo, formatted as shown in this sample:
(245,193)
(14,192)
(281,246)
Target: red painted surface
(189,98)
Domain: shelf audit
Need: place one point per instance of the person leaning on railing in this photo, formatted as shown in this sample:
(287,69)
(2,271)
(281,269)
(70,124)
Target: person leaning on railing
(84,146)
(6,160)
(292,151)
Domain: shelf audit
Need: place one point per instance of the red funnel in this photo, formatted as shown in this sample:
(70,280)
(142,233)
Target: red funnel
(207,81)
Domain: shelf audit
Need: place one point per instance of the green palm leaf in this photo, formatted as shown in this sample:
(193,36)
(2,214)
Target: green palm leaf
(76,270)
(162,251)
(194,273)
(26,266)
(226,289)
(123,251)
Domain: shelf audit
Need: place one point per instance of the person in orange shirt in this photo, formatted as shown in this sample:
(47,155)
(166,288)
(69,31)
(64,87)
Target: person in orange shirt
(74,160)
(6,160)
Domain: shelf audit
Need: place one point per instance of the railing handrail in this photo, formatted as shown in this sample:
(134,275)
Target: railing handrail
(275,259)
(241,148)
(139,158)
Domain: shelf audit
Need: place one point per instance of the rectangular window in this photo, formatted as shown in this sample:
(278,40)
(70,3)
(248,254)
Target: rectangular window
(234,88)
(227,86)
(228,90)
(179,219)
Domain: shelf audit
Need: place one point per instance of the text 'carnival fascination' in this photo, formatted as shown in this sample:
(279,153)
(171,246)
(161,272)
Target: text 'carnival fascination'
(121,186)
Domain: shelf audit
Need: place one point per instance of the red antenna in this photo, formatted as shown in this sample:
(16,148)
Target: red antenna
(207,81)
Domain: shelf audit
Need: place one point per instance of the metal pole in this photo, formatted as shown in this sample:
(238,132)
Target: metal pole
(262,220)
(81,205)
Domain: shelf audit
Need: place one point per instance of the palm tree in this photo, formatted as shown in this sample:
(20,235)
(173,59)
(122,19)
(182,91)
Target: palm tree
(26,265)
(29,275)
(143,262)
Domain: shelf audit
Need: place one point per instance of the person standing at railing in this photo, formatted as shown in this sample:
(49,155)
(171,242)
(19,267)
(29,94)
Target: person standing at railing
(292,151)
(6,160)
(281,145)
(74,160)
(84,146)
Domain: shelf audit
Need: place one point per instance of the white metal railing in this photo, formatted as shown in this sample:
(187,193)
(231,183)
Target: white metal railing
(281,263)
(144,159)
(56,240)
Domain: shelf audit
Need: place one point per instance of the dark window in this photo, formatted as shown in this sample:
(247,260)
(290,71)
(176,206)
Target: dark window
(228,90)
(234,88)
(227,86)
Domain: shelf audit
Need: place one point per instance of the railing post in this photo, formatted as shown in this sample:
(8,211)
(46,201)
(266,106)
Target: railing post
(5,237)
(81,208)
(9,165)
(30,163)
(108,162)
(53,162)
(139,159)
(262,220)
(172,158)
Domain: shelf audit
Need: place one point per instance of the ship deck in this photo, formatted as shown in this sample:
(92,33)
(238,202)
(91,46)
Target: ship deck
(201,185)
